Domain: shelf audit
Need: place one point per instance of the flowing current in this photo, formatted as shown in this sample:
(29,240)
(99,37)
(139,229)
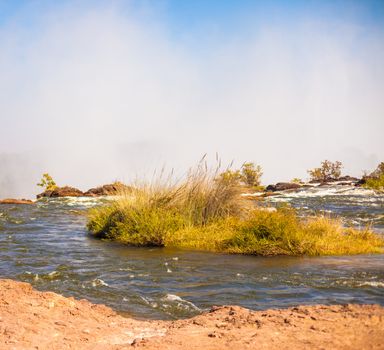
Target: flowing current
(47,245)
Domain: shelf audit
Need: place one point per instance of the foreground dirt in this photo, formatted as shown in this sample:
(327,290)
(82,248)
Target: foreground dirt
(42,320)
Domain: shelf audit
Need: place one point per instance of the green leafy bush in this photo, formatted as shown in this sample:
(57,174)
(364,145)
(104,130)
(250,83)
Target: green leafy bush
(251,174)
(375,180)
(328,170)
(47,183)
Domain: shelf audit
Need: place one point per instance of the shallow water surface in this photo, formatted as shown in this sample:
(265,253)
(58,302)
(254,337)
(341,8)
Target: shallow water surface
(47,245)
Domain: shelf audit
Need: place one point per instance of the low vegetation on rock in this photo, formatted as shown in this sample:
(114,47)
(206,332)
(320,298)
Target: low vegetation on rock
(206,211)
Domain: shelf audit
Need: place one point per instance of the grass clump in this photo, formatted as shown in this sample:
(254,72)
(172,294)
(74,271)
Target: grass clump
(207,212)
(376,184)
(282,232)
(152,213)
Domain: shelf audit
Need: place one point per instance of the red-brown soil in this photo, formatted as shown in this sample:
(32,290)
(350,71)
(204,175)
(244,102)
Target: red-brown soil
(43,320)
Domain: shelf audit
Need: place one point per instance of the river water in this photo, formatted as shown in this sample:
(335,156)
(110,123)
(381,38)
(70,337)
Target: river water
(48,246)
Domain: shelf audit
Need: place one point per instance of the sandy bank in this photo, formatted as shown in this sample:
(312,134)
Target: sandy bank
(42,320)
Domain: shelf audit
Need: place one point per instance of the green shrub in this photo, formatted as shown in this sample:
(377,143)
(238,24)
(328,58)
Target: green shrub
(296,180)
(375,183)
(328,170)
(375,180)
(251,174)
(47,183)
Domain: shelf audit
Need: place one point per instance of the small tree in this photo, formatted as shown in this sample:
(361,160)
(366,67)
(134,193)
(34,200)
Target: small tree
(230,177)
(251,174)
(248,175)
(47,182)
(328,170)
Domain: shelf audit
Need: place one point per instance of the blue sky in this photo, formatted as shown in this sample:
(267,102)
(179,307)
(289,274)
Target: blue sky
(135,85)
(224,15)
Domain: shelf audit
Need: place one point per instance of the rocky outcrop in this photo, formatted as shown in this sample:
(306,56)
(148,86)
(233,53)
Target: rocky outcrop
(30,319)
(342,180)
(348,178)
(105,190)
(15,201)
(283,186)
(108,190)
(65,191)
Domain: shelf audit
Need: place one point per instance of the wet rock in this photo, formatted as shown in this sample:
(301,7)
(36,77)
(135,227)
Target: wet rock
(342,180)
(107,190)
(347,178)
(282,186)
(65,191)
(15,201)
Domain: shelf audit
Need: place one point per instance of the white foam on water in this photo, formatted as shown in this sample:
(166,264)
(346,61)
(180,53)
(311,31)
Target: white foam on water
(180,301)
(97,282)
(53,274)
(79,201)
(255,194)
(372,284)
(173,297)
(333,190)
(83,201)
(149,302)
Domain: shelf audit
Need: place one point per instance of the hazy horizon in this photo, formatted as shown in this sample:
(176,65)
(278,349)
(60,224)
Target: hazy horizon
(97,91)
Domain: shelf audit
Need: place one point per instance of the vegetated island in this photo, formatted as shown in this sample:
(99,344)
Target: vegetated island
(209,211)
(44,320)
(216,211)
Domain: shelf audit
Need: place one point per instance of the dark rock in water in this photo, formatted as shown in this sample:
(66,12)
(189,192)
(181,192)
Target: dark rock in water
(107,190)
(270,188)
(15,201)
(65,191)
(348,178)
(282,186)
(344,180)
(361,181)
